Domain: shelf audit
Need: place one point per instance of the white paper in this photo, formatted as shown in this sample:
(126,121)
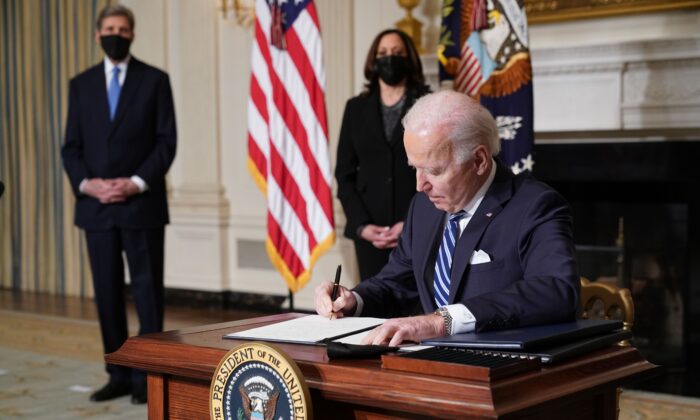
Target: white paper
(310,329)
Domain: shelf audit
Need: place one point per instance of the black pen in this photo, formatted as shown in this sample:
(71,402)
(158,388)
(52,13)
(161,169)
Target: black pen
(336,284)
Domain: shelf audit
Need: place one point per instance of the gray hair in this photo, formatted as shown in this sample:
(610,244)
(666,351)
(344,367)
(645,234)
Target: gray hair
(463,121)
(115,10)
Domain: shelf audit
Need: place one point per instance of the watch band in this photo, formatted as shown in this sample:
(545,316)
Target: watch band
(446,318)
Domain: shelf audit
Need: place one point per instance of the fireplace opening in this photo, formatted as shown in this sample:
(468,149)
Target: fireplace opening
(654,189)
(649,256)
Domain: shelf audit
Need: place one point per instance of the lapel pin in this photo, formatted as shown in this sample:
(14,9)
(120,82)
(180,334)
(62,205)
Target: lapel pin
(489,214)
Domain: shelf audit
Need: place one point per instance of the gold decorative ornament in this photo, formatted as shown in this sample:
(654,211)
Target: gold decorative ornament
(243,11)
(412,26)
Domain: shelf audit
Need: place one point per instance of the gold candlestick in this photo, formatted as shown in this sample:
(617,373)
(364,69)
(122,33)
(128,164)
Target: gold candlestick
(411,25)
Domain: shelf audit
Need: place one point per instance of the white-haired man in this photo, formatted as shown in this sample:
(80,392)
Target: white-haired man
(481,249)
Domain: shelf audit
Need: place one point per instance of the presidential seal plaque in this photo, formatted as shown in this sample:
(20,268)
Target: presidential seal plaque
(256,381)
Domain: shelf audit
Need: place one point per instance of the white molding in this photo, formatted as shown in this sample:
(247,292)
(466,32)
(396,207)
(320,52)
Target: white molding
(665,116)
(645,136)
(430,70)
(631,85)
(575,68)
(628,52)
(196,253)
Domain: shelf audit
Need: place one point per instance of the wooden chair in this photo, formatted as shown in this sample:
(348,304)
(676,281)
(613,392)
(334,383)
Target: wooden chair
(606,301)
(601,300)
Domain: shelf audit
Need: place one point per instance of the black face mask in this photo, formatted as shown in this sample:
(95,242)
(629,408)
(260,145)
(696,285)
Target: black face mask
(392,69)
(115,46)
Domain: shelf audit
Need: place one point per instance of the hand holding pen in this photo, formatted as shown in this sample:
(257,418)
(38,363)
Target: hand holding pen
(333,300)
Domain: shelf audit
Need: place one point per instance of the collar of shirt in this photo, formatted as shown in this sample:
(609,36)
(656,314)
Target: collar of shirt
(471,206)
(109,68)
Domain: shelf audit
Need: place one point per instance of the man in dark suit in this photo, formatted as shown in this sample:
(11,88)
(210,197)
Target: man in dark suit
(120,141)
(481,249)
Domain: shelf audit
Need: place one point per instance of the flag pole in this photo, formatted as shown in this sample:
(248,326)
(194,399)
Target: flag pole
(291,300)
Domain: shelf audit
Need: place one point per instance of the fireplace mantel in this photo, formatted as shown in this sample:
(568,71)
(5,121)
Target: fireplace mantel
(641,85)
(632,86)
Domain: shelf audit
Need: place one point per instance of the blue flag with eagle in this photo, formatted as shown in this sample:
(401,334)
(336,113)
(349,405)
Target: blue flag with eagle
(484,53)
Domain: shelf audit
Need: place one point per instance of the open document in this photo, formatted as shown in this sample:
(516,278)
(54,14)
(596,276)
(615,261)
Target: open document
(310,329)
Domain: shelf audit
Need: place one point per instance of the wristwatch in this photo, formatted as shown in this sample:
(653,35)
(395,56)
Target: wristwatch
(446,318)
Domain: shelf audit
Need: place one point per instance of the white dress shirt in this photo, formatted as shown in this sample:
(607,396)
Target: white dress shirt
(109,71)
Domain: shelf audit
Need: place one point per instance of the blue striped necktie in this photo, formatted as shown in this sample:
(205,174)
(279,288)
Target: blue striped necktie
(113,92)
(443,264)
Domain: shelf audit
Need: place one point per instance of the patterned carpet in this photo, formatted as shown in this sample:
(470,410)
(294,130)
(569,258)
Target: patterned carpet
(49,366)
(36,386)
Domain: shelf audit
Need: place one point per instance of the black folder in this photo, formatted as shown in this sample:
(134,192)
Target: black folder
(579,347)
(528,338)
(560,352)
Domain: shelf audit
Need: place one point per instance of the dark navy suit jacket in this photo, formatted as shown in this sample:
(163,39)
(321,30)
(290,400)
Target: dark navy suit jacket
(526,229)
(140,141)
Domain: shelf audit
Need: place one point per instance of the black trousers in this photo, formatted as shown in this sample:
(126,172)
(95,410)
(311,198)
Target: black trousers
(370,260)
(144,250)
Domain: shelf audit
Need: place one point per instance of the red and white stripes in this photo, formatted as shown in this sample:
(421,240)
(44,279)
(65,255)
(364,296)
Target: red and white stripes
(288,143)
(468,78)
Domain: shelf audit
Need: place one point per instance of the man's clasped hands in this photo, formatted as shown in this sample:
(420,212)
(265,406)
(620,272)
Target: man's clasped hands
(113,190)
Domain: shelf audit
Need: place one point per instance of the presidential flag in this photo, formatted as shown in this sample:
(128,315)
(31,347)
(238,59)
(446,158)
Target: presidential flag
(288,136)
(484,53)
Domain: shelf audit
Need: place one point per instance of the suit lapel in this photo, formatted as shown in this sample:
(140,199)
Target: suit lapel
(492,204)
(373,117)
(134,74)
(98,89)
(434,225)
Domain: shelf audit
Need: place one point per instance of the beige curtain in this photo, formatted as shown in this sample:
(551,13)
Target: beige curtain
(42,45)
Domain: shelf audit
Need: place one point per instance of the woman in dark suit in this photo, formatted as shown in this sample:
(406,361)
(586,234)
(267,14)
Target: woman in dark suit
(375,183)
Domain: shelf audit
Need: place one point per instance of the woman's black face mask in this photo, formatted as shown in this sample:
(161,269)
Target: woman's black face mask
(392,69)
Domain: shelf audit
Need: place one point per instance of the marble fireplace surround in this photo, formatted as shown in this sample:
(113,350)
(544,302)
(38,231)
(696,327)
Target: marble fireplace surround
(617,127)
(640,85)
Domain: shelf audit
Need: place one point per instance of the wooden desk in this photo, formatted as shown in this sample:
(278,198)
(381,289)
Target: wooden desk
(180,366)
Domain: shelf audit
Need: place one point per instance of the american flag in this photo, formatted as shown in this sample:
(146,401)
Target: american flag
(484,52)
(288,136)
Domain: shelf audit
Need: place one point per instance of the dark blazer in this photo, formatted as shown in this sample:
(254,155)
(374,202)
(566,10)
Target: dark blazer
(526,229)
(375,183)
(140,141)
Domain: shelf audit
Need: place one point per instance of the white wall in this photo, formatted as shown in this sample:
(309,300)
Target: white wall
(215,241)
